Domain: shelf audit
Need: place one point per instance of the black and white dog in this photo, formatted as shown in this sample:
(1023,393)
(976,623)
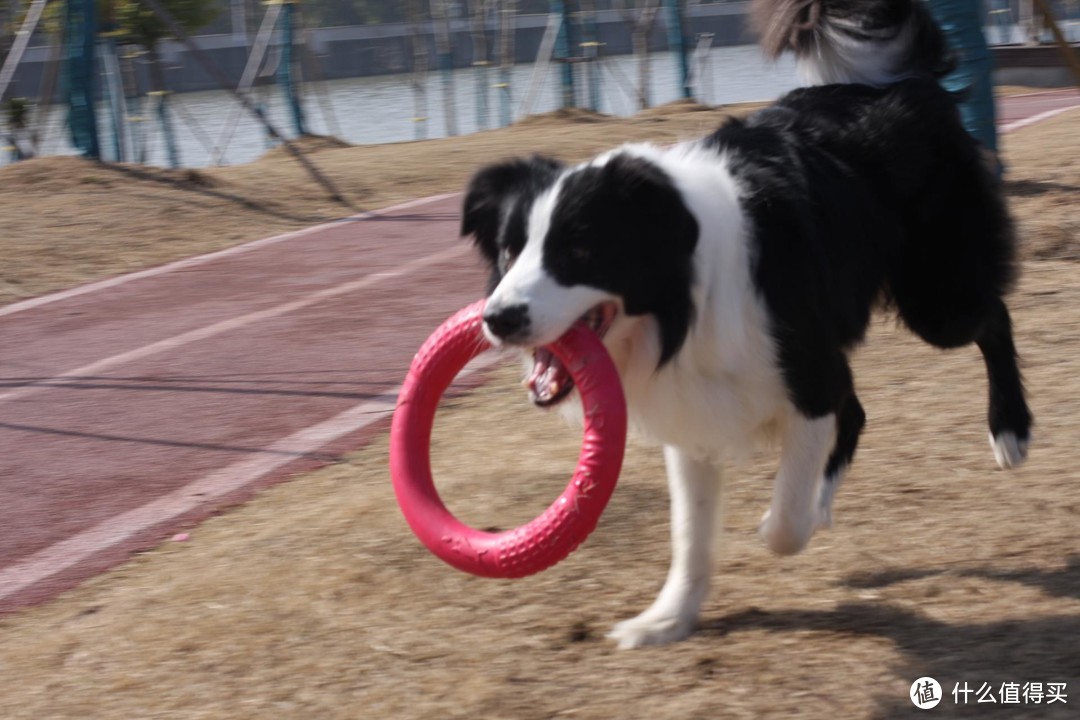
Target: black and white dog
(731,276)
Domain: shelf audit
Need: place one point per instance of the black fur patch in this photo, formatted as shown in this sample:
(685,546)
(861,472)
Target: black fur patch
(623,228)
(497,205)
(854,192)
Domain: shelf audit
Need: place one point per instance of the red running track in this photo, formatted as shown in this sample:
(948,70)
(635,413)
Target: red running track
(1022,110)
(134,407)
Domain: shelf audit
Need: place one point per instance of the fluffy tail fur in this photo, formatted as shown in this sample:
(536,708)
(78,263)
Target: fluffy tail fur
(873,42)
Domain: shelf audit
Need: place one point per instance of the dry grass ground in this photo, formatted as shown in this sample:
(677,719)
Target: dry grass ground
(314,600)
(68,220)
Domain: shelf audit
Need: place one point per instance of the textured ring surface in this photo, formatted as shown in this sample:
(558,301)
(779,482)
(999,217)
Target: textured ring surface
(559,530)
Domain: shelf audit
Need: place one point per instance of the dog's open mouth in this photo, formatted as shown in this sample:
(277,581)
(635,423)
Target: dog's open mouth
(549,382)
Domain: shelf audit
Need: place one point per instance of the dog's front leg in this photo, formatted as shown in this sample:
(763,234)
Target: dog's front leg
(793,514)
(695,487)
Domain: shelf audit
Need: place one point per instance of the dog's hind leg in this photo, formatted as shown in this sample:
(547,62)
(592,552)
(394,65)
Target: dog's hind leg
(1010,419)
(793,514)
(849,426)
(695,489)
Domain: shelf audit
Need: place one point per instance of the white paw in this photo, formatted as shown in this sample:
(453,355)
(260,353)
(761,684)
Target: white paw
(824,517)
(652,628)
(824,503)
(1009,450)
(789,535)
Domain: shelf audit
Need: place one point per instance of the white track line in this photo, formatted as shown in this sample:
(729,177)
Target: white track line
(209,331)
(200,259)
(1037,93)
(109,533)
(1016,125)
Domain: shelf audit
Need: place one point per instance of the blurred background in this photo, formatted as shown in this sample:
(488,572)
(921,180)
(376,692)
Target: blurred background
(379,71)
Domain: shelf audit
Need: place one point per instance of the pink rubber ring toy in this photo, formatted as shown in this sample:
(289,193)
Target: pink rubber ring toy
(559,530)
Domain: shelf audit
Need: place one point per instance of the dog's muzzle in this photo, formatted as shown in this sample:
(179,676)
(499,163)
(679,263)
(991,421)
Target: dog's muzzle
(549,382)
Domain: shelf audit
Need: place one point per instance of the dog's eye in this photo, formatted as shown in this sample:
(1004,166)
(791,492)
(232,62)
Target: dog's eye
(580,254)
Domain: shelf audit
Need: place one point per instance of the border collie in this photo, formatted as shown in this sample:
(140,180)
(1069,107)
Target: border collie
(731,276)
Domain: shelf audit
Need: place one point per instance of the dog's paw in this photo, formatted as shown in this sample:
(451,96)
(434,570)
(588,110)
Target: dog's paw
(824,517)
(1009,450)
(824,520)
(788,536)
(652,628)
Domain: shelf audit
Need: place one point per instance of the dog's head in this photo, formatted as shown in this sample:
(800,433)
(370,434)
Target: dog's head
(610,241)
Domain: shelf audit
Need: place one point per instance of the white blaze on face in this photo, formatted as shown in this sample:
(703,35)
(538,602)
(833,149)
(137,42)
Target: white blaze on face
(552,308)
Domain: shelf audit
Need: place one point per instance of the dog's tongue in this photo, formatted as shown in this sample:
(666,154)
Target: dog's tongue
(547,378)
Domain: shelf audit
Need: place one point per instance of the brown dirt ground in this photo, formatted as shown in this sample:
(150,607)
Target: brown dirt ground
(68,220)
(314,600)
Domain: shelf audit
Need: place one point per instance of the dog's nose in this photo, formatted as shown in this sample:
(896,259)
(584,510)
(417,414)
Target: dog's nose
(508,321)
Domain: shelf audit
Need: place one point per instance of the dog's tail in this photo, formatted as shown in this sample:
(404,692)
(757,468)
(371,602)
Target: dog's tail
(873,42)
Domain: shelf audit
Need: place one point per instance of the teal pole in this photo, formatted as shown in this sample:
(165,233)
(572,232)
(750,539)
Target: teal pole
(482,83)
(115,96)
(591,47)
(446,74)
(167,129)
(961,21)
(505,112)
(159,92)
(285,68)
(134,104)
(507,27)
(445,49)
(677,42)
(80,70)
(103,51)
(480,64)
(562,52)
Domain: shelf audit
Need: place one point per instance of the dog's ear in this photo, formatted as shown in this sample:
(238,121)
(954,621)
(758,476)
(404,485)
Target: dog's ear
(492,186)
